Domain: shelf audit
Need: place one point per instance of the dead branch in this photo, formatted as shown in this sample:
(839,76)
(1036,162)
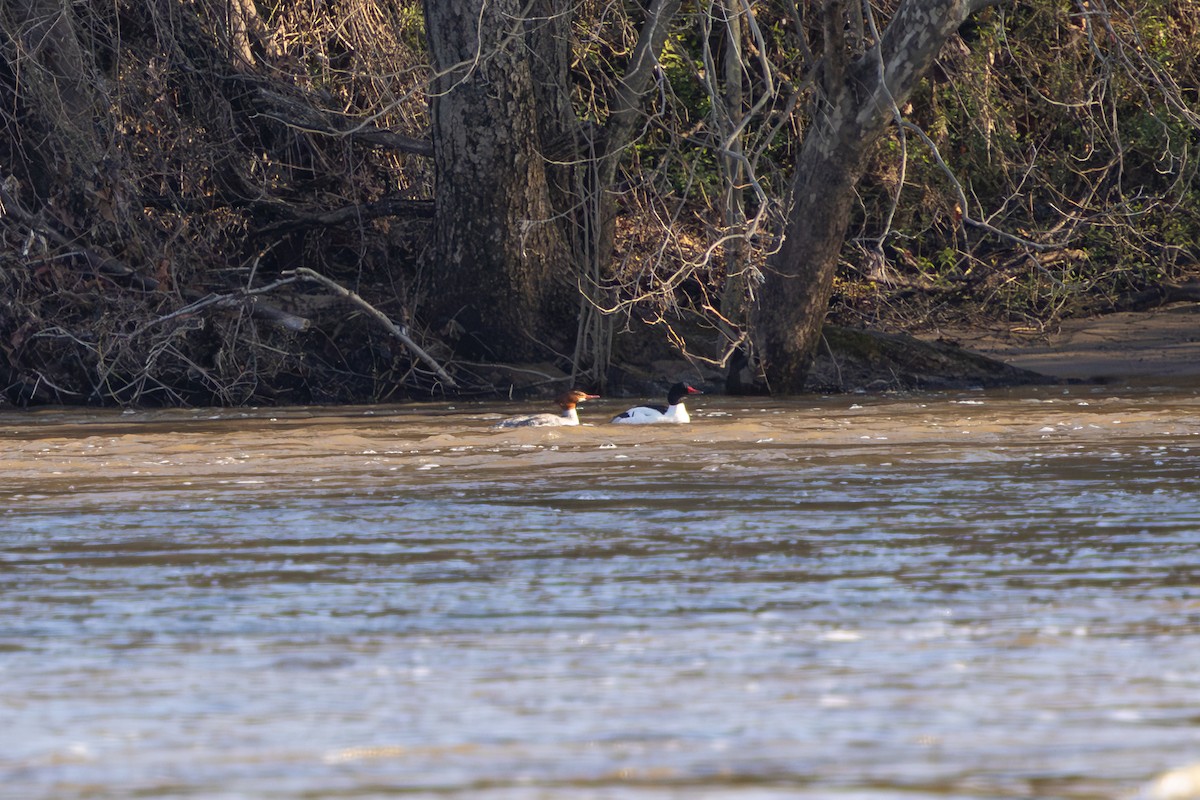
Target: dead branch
(962,197)
(1152,297)
(107,266)
(97,262)
(387,207)
(395,330)
(278,317)
(639,78)
(297,114)
(236,299)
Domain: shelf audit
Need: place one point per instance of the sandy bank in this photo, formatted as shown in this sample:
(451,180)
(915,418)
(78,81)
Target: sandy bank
(1156,345)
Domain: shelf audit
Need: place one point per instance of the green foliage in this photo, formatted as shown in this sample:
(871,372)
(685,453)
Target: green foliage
(678,61)
(687,164)
(1058,129)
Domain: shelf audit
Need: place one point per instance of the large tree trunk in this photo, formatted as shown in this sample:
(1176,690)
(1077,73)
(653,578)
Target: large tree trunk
(799,278)
(50,81)
(500,268)
(524,213)
(860,98)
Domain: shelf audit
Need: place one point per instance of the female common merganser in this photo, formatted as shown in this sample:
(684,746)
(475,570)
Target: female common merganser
(566,401)
(672,412)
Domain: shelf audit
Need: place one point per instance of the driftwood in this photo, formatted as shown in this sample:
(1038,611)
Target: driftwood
(239,299)
(278,317)
(307,274)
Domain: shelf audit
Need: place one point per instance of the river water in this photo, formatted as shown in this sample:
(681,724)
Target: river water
(960,595)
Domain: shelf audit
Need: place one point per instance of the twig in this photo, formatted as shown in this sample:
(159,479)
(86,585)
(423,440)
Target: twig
(282,318)
(99,263)
(962,198)
(387,207)
(299,114)
(395,330)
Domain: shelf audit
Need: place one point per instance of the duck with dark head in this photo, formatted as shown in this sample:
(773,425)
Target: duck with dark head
(673,411)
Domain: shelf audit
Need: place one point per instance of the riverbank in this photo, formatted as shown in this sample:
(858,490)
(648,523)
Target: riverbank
(1154,345)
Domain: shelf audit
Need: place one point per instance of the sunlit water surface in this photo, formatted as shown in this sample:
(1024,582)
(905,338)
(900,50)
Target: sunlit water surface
(976,595)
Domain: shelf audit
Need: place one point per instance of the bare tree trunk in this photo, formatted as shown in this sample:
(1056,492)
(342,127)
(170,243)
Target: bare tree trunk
(42,47)
(733,207)
(500,264)
(628,112)
(570,175)
(245,29)
(861,96)
(524,210)
(548,38)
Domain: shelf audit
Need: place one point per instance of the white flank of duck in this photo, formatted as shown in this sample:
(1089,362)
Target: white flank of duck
(673,411)
(566,401)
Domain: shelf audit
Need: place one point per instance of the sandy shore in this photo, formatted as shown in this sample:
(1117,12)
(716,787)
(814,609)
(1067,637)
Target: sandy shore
(1137,347)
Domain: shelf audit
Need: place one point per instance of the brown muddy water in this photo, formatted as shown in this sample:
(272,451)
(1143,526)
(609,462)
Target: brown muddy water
(965,595)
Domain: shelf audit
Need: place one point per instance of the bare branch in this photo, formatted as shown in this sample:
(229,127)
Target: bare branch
(639,78)
(304,116)
(397,331)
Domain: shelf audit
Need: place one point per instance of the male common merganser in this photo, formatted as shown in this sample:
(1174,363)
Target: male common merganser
(674,411)
(566,401)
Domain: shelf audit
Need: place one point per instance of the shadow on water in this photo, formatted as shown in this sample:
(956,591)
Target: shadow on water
(969,596)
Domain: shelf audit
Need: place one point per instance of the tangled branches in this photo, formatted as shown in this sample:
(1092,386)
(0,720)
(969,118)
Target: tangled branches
(168,162)
(165,167)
